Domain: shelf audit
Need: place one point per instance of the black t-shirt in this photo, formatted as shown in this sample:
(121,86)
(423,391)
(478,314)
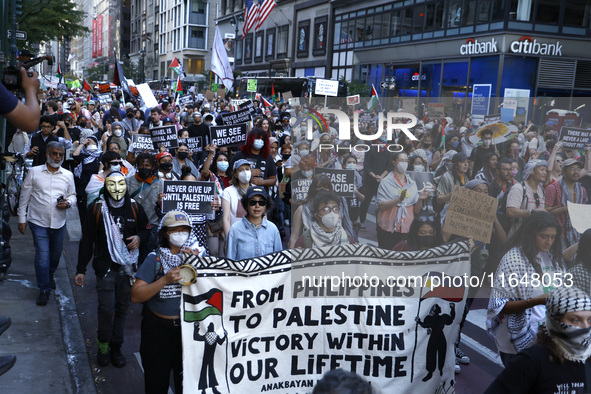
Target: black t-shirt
(266,165)
(531,371)
(477,156)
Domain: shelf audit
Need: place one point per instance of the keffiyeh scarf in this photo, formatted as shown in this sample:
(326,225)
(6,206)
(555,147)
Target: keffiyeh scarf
(572,235)
(116,244)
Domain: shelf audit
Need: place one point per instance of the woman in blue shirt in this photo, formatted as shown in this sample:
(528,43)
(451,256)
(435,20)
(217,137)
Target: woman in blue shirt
(253,235)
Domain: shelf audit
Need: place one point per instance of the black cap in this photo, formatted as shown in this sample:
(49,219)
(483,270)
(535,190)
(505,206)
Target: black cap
(257,191)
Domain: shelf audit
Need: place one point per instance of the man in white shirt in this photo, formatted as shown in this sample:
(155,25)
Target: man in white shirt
(47,191)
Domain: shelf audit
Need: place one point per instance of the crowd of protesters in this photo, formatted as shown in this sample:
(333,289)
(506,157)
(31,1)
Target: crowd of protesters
(118,191)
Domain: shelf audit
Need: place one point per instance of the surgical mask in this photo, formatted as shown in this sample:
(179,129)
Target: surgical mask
(426,240)
(330,220)
(144,173)
(307,174)
(514,172)
(166,166)
(486,143)
(402,166)
(244,176)
(53,164)
(351,166)
(116,167)
(304,153)
(91,148)
(258,144)
(117,132)
(223,166)
(420,168)
(454,144)
(178,239)
(182,155)
(82,124)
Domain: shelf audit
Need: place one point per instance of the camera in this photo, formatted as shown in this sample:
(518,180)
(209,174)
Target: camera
(12,76)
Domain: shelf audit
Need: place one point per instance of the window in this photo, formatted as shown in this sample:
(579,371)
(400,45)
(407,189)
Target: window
(395,26)
(521,10)
(270,44)
(248,49)
(468,12)
(419,18)
(282,40)
(258,47)
(197,12)
(406,21)
(547,11)
(483,11)
(303,38)
(197,38)
(576,13)
(497,10)
(238,51)
(320,36)
(193,66)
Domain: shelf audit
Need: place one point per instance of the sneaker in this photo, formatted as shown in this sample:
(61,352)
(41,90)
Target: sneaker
(6,362)
(457,368)
(116,357)
(43,298)
(461,357)
(52,282)
(103,356)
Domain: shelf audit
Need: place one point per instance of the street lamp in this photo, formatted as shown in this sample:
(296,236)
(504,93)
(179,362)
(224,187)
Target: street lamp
(142,71)
(234,22)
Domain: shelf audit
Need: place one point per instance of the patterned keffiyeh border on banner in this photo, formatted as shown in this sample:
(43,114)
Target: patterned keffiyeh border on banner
(271,324)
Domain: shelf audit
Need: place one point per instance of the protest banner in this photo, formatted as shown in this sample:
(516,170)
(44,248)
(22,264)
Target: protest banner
(436,111)
(247,104)
(104,88)
(367,117)
(134,91)
(574,138)
(294,101)
(277,323)
(186,100)
(251,85)
(195,144)
(240,116)
(343,181)
(140,143)
(199,97)
(352,100)
(231,135)
(299,189)
(189,196)
(147,95)
(165,136)
(424,180)
(105,98)
(580,216)
(490,119)
(470,214)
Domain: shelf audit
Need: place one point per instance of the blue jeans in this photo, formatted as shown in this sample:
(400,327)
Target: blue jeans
(49,244)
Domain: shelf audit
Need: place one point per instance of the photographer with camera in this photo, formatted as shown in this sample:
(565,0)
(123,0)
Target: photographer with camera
(24,116)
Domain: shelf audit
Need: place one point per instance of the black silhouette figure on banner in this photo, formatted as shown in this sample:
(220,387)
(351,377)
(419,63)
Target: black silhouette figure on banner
(212,339)
(437,345)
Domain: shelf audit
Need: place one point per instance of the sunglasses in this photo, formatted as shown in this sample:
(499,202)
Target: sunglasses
(537,197)
(114,163)
(262,203)
(425,218)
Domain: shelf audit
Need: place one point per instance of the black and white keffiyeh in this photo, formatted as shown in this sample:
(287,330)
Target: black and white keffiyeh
(116,244)
(572,235)
(170,261)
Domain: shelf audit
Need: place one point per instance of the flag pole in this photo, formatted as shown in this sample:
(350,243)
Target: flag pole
(412,363)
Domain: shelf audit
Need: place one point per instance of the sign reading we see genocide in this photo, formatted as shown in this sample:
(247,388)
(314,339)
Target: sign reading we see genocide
(299,189)
(141,143)
(186,99)
(165,136)
(471,214)
(193,143)
(240,116)
(277,323)
(231,135)
(343,181)
(191,197)
(573,138)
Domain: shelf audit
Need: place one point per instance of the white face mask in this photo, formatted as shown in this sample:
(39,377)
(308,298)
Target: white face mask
(308,174)
(351,166)
(330,220)
(304,153)
(117,132)
(223,165)
(420,168)
(486,143)
(258,144)
(178,239)
(116,167)
(91,148)
(402,166)
(244,176)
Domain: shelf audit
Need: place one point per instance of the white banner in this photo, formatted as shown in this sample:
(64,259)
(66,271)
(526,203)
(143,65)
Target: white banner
(270,324)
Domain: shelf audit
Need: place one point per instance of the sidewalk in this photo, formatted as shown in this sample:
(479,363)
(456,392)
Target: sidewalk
(48,341)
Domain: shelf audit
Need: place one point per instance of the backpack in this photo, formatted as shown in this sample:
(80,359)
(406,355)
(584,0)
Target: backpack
(507,222)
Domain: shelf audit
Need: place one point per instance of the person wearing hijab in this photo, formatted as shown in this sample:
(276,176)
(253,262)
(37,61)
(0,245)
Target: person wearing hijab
(88,156)
(581,269)
(556,362)
(457,175)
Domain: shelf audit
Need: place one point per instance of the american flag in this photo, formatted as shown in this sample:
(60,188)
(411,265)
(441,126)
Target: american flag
(251,16)
(265,8)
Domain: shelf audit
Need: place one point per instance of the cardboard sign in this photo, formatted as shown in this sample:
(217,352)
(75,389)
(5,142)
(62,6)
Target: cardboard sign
(436,111)
(105,98)
(222,93)
(193,143)
(140,143)
(299,189)
(186,100)
(209,95)
(573,138)
(326,87)
(294,101)
(471,214)
(424,180)
(251,85)
(104,88)
(490,119)
(189,196)
(352,100)
(165,136)
(266,324)
(240,116)
(343,181)
(287,95)
(409,105)
(228,135)
(580,216)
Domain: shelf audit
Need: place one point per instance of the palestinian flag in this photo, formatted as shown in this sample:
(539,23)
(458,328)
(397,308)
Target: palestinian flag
(272,92)
(86,86)
(179,87)
(59,72)
(197,308)
(265,102)
(178,67)
(434,286)
(374,100)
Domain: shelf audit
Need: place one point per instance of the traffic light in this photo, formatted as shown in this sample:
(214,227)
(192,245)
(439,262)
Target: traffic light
(18,10)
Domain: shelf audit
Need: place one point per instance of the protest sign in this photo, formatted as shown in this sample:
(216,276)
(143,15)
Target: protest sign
(409,105)
(104,88)
(134,91)
(230,135)
(574,138)
(196,144)
(147,95)
(343,181)
(287,95)
(199,97)
(490,119)
(186,100)
(189,196)
(272,324)
(424,180)
(366,117)
(247,104)
(165,136)
(221,93)
(209,95)
(214,87)
(299,189)
(326,87)
(251,85)
(470,214)
(140,143)
(580,216)
(105,98)
(240,116)
(436,111)
(294,101)
(352,100)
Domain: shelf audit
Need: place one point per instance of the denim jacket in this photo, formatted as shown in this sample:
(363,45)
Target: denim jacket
(245,241)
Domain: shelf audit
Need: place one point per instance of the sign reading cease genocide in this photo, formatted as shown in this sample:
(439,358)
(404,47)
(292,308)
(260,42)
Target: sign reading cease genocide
(343,181)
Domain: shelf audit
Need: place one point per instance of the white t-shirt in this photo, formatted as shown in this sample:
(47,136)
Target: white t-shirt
(232,195)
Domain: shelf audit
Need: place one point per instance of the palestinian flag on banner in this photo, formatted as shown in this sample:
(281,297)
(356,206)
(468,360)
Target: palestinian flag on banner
(86,86)
(178,67)
(435,286)
(374,100)
(197,308)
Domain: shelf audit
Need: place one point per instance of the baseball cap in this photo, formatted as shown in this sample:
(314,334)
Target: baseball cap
(166,120)
(175,219)
(240,162)
(570,162)
(91,102)
(256,191)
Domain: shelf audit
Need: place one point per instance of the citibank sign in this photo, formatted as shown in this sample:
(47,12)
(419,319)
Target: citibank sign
(475,47)
(531,46)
